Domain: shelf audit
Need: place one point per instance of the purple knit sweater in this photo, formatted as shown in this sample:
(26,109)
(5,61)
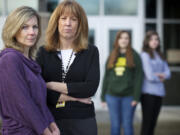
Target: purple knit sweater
(22,95)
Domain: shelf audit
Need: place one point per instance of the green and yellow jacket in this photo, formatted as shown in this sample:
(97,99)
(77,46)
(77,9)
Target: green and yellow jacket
(123,81)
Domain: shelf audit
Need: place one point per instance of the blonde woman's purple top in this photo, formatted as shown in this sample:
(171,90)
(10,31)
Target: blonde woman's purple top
(22,95)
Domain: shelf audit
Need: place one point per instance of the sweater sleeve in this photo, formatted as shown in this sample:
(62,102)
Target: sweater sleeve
(19,104)
(166,70)
(89,87)
(104,84)
(53,96)
(49,116)
(138,77)
(147,68)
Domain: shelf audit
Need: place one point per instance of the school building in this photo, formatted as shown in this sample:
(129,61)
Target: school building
(106,17)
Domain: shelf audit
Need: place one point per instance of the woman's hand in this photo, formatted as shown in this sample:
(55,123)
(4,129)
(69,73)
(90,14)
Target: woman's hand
(134,103)
(54,129)
(85,100)
(65,98)
(161,76)
(57,86)
(47,131)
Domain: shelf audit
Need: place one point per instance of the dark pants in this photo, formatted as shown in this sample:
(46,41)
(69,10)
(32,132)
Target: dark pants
(77,126)
(151,106)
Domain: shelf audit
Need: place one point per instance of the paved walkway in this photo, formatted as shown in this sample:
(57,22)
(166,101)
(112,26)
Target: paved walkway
(168,122)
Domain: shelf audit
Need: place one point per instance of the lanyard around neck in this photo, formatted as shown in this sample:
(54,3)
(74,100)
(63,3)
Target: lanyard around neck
(65,70)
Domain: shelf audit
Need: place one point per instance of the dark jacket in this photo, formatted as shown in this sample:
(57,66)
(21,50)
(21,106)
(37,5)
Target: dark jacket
(82,81)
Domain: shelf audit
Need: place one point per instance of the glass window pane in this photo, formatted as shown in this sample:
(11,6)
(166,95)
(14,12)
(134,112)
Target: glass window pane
(12,5)
(150,26)
(91,7)
(51,5)
(171,9)
(172,42)
(172,36)
(121,7)
(150,8)
(91,38)
(112,37)
(1,8)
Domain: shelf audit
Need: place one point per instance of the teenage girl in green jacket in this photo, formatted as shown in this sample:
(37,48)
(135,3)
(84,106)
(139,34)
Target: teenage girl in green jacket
(122,84)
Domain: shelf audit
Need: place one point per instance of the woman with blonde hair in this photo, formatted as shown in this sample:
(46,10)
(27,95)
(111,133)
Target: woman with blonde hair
(22,89)
(122,84)
(71,69)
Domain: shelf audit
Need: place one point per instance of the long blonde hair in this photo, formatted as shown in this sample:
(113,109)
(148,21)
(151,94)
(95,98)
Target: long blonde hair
(116,49)
(52,33)
(13,24)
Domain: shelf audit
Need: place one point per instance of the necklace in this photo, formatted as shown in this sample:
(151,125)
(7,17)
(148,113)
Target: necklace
(65,70)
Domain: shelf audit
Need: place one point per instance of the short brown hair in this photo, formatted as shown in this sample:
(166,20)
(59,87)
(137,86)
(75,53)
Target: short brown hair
(13,24)
(52,34)
(114,54)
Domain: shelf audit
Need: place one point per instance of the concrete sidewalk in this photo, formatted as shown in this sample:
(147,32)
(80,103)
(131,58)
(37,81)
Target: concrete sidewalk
(168,122)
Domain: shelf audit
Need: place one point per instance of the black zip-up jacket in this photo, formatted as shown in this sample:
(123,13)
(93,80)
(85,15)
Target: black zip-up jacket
(82,81)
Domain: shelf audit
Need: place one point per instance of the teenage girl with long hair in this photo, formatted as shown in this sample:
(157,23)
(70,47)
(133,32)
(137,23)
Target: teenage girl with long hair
(156,71)
(122,84)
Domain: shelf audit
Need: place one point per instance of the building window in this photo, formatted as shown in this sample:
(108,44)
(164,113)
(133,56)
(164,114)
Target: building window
(171,26)
(12,5)
(171,9)
(172,36)
(120,7)
(91,7)
(51,5)
(150,15)
(150,26)
(91,37)
(1,8)
(172,43)
(150,8)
